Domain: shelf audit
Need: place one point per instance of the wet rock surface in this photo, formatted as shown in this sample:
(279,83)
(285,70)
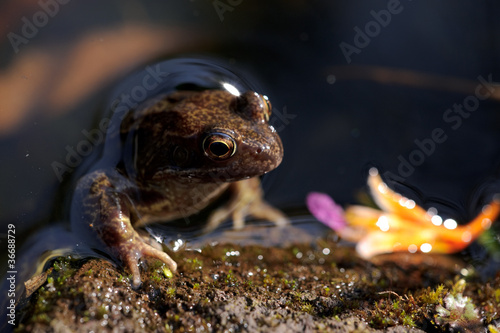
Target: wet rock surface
(317,286)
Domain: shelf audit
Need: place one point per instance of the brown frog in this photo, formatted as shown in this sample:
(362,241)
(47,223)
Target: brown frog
(172,157)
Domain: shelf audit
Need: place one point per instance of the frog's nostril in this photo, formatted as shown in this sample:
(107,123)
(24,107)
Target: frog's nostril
(259,151)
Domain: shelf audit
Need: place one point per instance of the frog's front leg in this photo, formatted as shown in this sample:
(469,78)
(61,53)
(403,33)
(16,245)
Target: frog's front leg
(247,198)
(107,211)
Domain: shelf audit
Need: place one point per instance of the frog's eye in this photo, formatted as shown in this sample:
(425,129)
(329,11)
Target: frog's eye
(267,107)
(219,146)
(253,106)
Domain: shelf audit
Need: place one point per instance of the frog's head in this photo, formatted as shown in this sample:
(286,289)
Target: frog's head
(208,136)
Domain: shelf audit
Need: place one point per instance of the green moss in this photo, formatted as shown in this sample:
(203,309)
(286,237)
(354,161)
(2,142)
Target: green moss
(398,311)
(230,279)
(41,318)
(61,279)
(308,308)
(432,297)
(170,292)
(57,266)
(197,264)
(407,320)
(155,277)
(458,287)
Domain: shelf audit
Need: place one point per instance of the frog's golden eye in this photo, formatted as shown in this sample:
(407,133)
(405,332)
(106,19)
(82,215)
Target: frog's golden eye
(267,107)
(219,146)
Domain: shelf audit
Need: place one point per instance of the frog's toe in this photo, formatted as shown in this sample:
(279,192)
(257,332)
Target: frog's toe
(139,250)
(159,254)
(133,264)
(258,209)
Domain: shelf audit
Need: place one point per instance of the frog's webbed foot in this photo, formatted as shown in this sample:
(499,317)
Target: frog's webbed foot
(131,251)
(247,199)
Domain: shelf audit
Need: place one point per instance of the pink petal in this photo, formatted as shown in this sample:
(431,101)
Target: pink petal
(326,210)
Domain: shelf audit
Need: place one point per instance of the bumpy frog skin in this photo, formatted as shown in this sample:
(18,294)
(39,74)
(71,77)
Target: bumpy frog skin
(177,154)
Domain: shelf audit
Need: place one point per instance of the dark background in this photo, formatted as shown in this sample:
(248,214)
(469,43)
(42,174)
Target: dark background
(346,116)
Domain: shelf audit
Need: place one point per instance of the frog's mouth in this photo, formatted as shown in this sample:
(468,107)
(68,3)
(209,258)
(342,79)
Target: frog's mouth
(243,166)
(193,176)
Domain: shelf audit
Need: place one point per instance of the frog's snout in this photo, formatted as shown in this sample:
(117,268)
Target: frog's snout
(267,156)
